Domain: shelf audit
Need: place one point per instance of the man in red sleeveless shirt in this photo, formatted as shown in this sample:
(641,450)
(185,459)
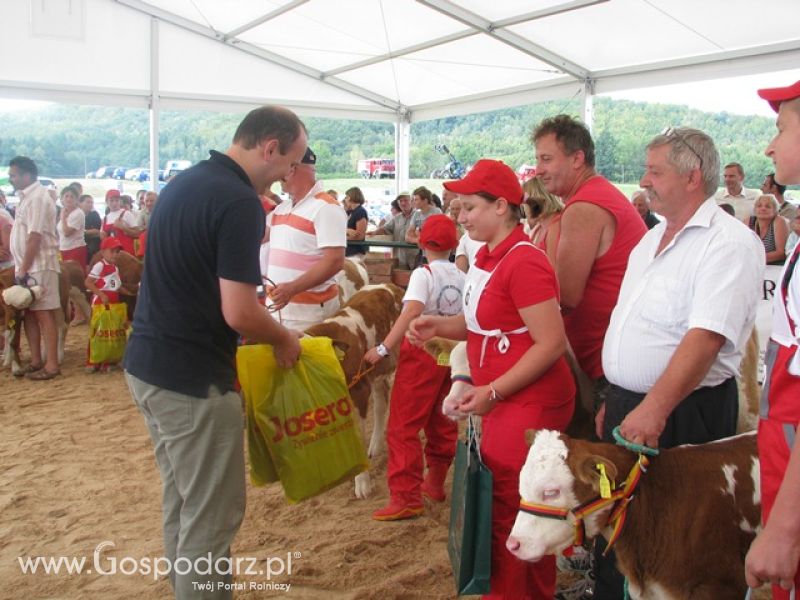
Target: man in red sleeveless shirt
(599,228)
(775,553)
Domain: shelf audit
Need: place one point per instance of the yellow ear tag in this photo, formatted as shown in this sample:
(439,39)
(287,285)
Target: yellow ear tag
(605,484)
(443,360)
(339,353)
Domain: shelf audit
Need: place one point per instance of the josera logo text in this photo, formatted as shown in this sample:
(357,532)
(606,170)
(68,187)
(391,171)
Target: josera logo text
(310,420)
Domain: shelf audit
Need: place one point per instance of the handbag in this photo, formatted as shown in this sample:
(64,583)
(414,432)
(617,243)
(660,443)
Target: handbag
(469,541)
(302,427)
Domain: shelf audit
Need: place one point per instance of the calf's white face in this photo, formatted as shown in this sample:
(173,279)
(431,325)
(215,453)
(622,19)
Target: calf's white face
(544,479)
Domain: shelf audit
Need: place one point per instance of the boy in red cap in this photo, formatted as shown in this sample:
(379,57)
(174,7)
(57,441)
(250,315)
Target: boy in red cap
(105,283)
(775,553)
(420,384)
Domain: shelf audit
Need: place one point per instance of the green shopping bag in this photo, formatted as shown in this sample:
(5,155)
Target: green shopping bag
(107,333)
(469,541)
(301,421)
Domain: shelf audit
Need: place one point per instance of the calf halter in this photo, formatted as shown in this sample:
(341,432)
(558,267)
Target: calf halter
(620,498)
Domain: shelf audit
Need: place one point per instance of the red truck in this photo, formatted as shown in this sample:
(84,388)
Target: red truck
(375,168)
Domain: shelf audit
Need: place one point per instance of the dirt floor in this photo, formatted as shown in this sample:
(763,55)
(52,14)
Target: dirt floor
(77,470)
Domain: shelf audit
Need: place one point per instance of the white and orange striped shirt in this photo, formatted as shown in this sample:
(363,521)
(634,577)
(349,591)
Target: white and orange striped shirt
(298,233)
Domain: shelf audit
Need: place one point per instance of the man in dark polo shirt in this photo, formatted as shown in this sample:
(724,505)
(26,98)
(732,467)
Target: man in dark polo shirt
(198,292)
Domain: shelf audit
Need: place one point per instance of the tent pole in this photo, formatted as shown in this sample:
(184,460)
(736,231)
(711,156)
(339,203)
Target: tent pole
(155,105)
(587,103)
(402,135)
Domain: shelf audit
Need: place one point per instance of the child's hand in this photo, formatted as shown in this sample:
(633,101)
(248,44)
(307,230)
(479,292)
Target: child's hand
(372,356)
(421,330)
(103,298)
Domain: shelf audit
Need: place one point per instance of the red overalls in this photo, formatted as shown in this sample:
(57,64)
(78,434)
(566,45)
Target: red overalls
(780,397)
(420,386)
(546,403)
(112,230)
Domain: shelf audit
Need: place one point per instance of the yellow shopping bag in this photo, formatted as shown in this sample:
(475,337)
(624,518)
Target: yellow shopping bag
(107,333)
(302,425)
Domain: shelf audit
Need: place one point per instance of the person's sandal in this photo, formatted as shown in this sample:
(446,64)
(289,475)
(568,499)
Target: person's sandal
(28,370)
(43,375)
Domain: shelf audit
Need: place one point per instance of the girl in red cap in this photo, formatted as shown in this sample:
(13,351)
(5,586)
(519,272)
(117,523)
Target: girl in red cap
(515,345)
(420,384)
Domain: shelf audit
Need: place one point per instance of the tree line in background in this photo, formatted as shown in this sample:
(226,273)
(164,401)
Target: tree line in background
(69,141)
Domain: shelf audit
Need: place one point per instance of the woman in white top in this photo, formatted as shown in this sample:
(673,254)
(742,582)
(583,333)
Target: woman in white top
(70,226)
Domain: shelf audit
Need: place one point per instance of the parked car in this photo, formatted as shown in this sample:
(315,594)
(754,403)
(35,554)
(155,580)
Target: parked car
(173,167)
(105,172)
(119,173)
(91,175)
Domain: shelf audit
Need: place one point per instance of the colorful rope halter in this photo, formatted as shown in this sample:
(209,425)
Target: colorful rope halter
(619,498)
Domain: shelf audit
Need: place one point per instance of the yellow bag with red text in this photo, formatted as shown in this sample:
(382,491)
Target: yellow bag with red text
(108,333)
(301,421)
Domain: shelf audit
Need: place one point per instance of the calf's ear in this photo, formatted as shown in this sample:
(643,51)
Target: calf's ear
(530,435)
(340,349)
(438,345)
(590,472)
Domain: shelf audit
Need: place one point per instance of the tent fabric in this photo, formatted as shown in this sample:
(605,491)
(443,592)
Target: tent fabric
(380,59)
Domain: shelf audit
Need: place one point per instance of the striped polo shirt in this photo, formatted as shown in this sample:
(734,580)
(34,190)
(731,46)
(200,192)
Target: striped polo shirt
(298,233)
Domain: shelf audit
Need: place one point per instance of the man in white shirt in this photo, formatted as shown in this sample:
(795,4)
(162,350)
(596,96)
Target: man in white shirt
(734,193)
(687,302)
(685,311)
(307,242)
(34,246)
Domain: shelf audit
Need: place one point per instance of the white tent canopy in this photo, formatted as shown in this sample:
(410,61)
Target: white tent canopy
(390,60)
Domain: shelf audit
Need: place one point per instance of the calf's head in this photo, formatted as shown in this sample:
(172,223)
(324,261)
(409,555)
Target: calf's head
(559,473)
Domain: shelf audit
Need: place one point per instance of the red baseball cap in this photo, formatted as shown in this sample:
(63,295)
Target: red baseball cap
(110,243)
(492,177)
(438,234)
(777,95)
(112,194)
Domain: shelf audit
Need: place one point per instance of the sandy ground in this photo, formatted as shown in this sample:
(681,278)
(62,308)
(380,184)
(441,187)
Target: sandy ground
(77,470)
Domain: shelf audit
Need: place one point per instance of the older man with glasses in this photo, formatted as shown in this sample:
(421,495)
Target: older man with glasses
(685,311)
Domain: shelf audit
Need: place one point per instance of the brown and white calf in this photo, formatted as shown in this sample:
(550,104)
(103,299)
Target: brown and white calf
(687,529)
(11,321)
(351,278)
(359,325)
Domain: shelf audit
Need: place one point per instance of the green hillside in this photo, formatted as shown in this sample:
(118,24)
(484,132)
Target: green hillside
(68,141)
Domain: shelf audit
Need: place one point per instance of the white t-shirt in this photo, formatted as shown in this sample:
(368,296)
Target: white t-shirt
(439,286)
(77,221)
(128,218)
(469,248)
